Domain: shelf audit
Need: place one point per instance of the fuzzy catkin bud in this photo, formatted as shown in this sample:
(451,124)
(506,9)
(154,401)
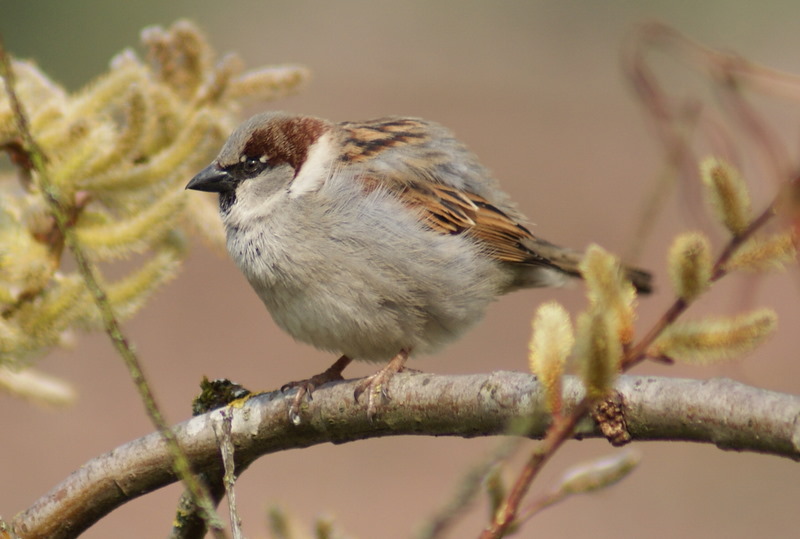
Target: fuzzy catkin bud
(275,82)
(759,254)
(37,387)
(690,265)
(599,351)
(599,473)
(551,343)
(495,489)
(715,339)
(278,522)
(727,194)
(608,289)
(602,273)
(118,154)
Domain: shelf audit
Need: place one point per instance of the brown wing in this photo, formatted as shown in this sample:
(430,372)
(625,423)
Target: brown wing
(448,210)
(416,166)
(451,211)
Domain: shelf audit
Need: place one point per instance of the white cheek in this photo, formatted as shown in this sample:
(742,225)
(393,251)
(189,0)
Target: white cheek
(316,170)
(255,200)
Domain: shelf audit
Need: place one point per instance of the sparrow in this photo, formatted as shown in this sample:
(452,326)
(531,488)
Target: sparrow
(375,240)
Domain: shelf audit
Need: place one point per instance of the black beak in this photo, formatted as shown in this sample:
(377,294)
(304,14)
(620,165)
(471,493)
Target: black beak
(212,179)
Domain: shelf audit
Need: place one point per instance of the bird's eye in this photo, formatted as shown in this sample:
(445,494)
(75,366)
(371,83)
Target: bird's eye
(251,165)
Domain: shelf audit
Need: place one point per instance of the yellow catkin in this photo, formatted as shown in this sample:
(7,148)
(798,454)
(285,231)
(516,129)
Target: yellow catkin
(274,81)
(129,294)
(760,254)
(495,488)
(118,153)
(41,321)
(126,136)
(598,351)
(716,339)
(187,145)
(107,89)
(599,473)
(115,239)
(608,289)
(727,194)
(37,387)
(690,265)
(181,55)
(551,342)
(70,164)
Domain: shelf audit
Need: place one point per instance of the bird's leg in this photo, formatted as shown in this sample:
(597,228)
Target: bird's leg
(306,387)
(377,385)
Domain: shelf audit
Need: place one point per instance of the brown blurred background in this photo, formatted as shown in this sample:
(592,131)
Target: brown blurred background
(536,90)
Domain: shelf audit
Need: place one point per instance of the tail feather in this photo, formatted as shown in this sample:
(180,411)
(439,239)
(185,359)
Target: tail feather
(568,261)
(641,279)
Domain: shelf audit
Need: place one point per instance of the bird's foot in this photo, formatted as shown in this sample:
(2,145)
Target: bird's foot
(306,387)
(377,385)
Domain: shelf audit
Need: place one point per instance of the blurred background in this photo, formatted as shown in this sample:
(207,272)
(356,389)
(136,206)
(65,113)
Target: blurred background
(535,88)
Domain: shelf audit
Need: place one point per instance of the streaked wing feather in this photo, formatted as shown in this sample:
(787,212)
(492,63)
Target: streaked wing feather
(451,211)
(419,182)
(421,178)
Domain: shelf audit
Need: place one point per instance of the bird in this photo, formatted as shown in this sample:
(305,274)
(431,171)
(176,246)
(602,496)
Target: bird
(374,240)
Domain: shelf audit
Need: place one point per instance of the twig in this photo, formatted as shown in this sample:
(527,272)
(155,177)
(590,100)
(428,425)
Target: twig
(110,321)
(560,432)
(188,522)
(563,427)
(229,478)
(468,488)
(769,80)
(726,68)
(729,71)
(669,123)
(638,353)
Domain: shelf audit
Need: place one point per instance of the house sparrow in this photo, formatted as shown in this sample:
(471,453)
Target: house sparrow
(374,239)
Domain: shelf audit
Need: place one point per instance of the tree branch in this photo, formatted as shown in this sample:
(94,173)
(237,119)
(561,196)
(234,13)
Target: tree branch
(726,413)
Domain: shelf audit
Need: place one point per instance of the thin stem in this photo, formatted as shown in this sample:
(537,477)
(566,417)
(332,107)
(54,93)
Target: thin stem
(563,428)
(545,501)
(768,80)
(638,353)
(110,322)
(558,433)
(438,524)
